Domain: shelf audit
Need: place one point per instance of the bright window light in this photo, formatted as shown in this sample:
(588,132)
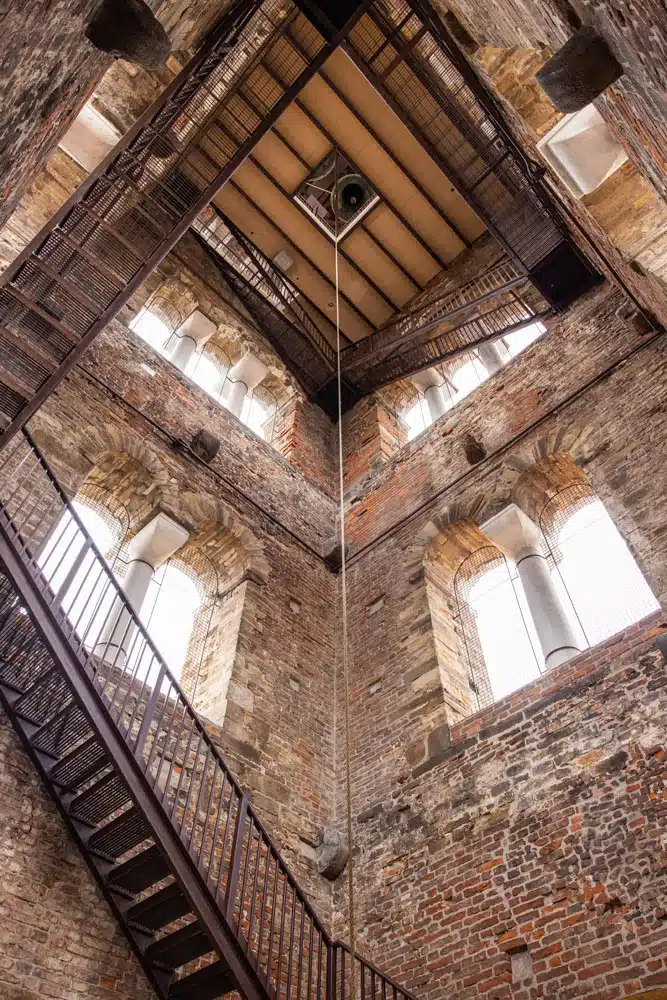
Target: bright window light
(600,585)
(517,342)
(88,598)
(417,418)
(506,633)
(151,329)
(254,416)
(169,613)
(207,374)
(602,579)
(468,377)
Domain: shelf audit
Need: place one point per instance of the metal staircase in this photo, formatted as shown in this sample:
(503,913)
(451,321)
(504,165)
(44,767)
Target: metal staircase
(191,874)
(78,272)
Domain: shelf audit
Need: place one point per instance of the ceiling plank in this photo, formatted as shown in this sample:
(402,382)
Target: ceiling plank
(235,202)
(394,306)
(436,257)
(406,170)
(417,287)
(286,194)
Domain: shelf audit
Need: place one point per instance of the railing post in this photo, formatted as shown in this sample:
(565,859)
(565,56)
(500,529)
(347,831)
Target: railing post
(149,714)
(332,958)
(235,861)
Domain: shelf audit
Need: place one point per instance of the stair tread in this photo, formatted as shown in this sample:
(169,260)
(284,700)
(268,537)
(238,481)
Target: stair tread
(107,795)
(63,731)
(80,764)
(206,984)
(119,835)
(180,947)
(141,871)
(160,909)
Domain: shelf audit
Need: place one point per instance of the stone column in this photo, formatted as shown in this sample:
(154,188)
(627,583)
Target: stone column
(242,379)
(190,335)
(432,383)
(520,539)
(150,547)
(491,356)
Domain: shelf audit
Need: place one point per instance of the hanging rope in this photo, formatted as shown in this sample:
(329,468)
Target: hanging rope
(346,671)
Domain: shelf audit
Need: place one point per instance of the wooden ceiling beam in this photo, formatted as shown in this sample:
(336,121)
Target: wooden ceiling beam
(441,263)
(385,148)
(435,257)
(418,286)
(394,306)
(311,222)
(274,225)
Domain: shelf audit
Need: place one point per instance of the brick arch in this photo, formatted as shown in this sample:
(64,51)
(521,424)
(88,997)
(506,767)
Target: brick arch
(96,441)
(577,439)
(476,510)
(234,549)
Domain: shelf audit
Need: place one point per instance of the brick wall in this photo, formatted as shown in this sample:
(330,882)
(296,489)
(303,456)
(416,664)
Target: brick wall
(58,939)
(576,348)
(180,408)
(520,853)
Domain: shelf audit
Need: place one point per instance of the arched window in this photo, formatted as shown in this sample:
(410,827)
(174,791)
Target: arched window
(170,610)
(208,368)
(157,321)
(497,630)
(592,565)
(71,569)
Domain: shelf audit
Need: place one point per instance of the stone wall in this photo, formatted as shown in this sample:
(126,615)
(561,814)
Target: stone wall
(50,69)
(114,369)
(520,853)
(576,348)
(59,938)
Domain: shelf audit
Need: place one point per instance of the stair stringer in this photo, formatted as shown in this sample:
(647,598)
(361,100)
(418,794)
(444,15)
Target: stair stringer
(183,868)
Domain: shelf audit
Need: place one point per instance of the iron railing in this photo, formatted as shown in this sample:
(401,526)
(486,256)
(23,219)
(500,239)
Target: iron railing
(439,307)
(229,848)
(405,51)
(264,276)
(495,323)
(76,274)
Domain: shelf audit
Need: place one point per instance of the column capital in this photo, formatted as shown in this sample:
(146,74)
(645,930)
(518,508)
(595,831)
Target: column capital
(427,378)
(197,327)
(157,540)
(249,370)
(514,533)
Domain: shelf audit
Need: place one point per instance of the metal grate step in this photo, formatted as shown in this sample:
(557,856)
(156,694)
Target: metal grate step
(79,766)
(120,835)
(180,947)
(160,909)
(206,984)
(100,800)
(140,872)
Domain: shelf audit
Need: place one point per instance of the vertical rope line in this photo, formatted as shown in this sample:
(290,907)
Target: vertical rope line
(346,671)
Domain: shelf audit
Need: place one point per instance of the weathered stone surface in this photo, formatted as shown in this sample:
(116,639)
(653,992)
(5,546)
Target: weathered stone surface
(332,854)
(128,29)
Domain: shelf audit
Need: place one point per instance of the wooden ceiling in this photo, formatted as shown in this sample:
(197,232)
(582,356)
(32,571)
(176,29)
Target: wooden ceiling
(419,225)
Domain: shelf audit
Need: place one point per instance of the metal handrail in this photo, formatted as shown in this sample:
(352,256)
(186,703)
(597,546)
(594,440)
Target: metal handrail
(250,838)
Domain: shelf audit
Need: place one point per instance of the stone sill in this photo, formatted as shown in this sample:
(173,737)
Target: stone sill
(447,741)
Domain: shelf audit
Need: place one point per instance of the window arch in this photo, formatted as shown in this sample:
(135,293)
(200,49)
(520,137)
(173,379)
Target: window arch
(494,619)
(592,564)
(71,569)
(179,612)
(157,321)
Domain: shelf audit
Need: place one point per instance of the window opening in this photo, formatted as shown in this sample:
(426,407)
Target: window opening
(157,321)
(76,572)
(593,566)
(179,613)
(498,634)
